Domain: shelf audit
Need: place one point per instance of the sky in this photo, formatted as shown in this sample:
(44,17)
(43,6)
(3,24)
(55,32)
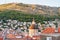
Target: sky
(53,3)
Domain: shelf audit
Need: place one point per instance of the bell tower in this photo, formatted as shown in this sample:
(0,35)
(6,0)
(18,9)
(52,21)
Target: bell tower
(33,29)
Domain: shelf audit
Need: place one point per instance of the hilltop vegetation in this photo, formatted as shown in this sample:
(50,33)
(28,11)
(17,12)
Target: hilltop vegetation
(21,16)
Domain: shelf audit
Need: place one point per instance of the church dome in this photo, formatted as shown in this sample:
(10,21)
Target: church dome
(33,25)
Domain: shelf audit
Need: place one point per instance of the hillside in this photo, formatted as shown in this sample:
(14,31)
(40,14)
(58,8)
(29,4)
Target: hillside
(22,16)
(31,8)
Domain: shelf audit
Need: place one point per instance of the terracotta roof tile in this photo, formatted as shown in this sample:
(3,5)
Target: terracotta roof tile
(59,30)
(49,30)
